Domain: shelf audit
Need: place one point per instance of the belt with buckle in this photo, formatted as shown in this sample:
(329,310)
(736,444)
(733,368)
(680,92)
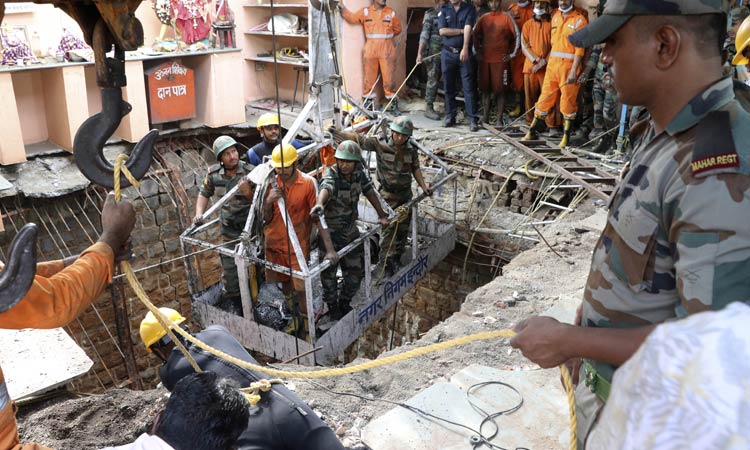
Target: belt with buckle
(452,49)
(595,382)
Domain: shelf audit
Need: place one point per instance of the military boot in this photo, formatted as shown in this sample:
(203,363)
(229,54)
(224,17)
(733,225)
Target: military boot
(566,133)
(604,144)
(394,107)
(534,129)
(430,112)
(368,104)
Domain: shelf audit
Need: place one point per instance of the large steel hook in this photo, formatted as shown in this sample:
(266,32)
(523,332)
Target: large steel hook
(89,141)
(20,269)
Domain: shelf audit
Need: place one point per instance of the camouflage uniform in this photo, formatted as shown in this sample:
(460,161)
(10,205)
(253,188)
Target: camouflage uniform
(604,93)
(394,173)
(430,38)
(233,217)
(676,240)
(341,215)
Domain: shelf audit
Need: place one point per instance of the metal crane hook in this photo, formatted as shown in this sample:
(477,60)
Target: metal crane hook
(20,269)
(89,141)
(88,144)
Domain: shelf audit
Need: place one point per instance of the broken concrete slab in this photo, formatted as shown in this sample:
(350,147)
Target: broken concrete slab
(49,177)
(544,403)
(594,222)
(36,361)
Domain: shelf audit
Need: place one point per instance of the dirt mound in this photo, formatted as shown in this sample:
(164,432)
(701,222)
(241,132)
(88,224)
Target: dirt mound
(92,422)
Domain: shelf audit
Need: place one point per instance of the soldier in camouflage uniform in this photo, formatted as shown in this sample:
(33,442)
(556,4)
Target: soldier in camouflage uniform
(605,104)
(398,162)
(431,43)
(676,240)
(221,178)
(338,198)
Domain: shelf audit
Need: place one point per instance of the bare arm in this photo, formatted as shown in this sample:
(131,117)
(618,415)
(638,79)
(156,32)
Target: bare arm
(200,205)
(373,199)
(550,343)
(574,69)
(420,181)
(451,32)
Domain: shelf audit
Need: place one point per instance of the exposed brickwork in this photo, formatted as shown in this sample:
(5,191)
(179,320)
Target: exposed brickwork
(434,298)
(68,224)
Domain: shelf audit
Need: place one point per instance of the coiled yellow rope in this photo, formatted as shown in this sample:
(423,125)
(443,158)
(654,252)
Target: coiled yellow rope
(252,393)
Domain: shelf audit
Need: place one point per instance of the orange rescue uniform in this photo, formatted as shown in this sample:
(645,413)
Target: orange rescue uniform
(521,15)
(381,26)
(536,43)
(55,298)
(560,64)
(300,198)
(496,35)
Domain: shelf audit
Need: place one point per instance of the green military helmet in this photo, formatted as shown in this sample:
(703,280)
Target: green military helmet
(349,151)
(222,143)
(403,125)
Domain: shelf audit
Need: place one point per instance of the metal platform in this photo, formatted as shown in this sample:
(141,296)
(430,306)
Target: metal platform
(431,241)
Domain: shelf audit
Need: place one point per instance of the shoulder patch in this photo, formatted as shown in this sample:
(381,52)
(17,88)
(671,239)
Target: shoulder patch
(714,145)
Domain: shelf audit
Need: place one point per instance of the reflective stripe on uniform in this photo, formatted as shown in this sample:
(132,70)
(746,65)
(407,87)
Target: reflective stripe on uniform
(379,36)
(563,55)
(4,396)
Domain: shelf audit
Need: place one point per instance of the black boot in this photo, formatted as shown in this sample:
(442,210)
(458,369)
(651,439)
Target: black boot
(604,144)
(430,112)
(534,129)
(394,107)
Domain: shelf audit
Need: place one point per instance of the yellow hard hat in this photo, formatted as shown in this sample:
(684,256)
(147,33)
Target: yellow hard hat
(346,106)
(151,330)
(741,42)
(267,119)
(289,153)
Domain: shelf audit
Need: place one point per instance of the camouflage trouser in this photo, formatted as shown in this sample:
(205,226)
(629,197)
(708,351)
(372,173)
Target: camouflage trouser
(228,267)
(605,99)
(393,240)
(588,406)
(352,268)
(433,77)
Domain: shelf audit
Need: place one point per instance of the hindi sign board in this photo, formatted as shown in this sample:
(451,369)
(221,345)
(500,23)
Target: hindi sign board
(171,92)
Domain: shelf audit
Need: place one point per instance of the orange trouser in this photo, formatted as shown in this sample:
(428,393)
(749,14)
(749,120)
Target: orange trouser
(532,84)
(378,56)
(516,72)
(555,87)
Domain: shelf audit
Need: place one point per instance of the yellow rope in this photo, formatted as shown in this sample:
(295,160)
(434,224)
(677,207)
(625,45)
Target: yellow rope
(568,383)
(252,393)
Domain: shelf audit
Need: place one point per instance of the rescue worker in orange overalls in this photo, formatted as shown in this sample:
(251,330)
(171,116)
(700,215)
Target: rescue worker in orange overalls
(521,12)
(536,44)
(299,192)
(61,291)
(563,68)
(381,25)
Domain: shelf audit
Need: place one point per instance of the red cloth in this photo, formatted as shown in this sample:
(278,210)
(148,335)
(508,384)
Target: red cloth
(190,21)
(495,35)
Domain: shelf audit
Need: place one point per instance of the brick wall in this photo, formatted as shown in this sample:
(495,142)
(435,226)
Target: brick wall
(164,205)
(433,299)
